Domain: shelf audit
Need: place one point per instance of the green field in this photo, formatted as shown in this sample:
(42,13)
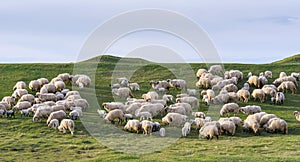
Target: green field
(23,140)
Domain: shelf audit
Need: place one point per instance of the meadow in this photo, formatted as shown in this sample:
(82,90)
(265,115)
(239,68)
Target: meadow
(23,140)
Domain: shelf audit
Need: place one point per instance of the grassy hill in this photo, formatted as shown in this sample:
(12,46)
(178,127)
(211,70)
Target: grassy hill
(295,59)
(23,140)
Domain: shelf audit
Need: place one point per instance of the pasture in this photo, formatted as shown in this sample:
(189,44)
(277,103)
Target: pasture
(23,140)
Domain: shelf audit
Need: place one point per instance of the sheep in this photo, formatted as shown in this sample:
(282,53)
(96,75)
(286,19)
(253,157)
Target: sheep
(295,75)
(54,123)
(275,125)
(41,112)
(65,91)
(168,98)
(130,109)
(70,93)
(59,95)
(249,75)
(258,116)
(4,106)
(228,127)
(233,97)
(278,81)
(250,109)
(160,84)
(123,92)
(229,107)
(2,113)
(287,85)
(18,93)
(186,129)
(74,115)
(50,88)
(83,103)
(178,83)
(150,96)
(115,86)
(279,98)
(10,113)
(230,88)
(216,70)
(282,74)
(19,85)
(134,86)
(22,105)
(221,99)
(10,100)
(234,73)
(209,132)
(246,86)
(200,122)
(34,85)
(113,105)
(193,101)
(161,90)
(27,97)
(114,114)
(66,77)
(25,112)
(269,91)
(174,119)
(236,120)
(258,93)
(59,115)
(155,127)
(181,95)
(81,80)
(101,113)
(162,132)
(253,80)
(124,82)
(199,115)
(56,79)
(128,116)
(251,124)
(67,124)
(243,95)
(144,116)
(192,92)
(264,119)
(43,81)
(200,72)
(147,127)
(154,109)
(187,106)
(133,125)
(59,85)
(209,93)
(178,109)
(297,115)
(204,83)
(262,80)
(47,97)
(43,90)
(268,74)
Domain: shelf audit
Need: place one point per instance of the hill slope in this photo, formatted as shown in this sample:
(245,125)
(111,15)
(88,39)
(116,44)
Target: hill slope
(289,60)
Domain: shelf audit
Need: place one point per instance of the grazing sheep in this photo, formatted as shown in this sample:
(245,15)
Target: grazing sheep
(133,125)
(284,86)
(279,98)
(234,73)
(188,107)
(43,90)
(228,127)
(153,109)
(43,81)
(193,101)
(18,93)
(199,115)
(250,109)
(282,74)
(147,127)
(50,88)
(251,124)
(204,83)
(162,132)
(178,109)
(101,113)
(209,93)
(150,96)
(108,106)
(246,86)
(265,119)
(128,116)
(114,114)
(25,112)
(230,88)
(144,116)
(258,116)
(56,79)
(295,75)
(222,98)
(115,86)
(130,109)
(54,123)
(229,107)
(81,80)
(262,80)
(59,115)
(83,103)
(34,85)
(47,97)
(60,85)
(269,91)
(209,132)
(22,105)
(42,112)
(123,92)
(10,100)
(134,86)
(59,95)
(174,119)
(297,115)
(66,77)
(4,106)
(253,80)
(67,124)
(216,70)
(278,81)
(268,74)
(70,93)
(277,125)
(19,85)
(160,84)
(156,127)
(27,97)
(258,93)
(74,115)
(178,84)
(186,129)
(243,95)
(200,72)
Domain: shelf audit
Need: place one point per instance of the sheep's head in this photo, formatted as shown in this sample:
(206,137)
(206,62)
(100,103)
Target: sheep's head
(296,113)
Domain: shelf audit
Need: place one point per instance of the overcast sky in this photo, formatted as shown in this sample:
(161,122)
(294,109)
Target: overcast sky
(242,31)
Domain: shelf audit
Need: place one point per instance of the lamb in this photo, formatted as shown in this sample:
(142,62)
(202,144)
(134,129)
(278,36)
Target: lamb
(19,85)
(147,127)
(250,109)
(200,72)
(60,85)
(114,114)
(209,132)
(277,124)
(22,105)
(188,107)
(162,132)
(133,125)
(244,95)
(43,81)
(150,96)
(186,129)
(174,119)
(258,93)
(193,101)
(144,116)
(113,105)
(34,85)
(59,115)
(66,77)
(74,115)
(10,100)
(54,123)
(204,83)
(134,86)
(230,107)
(123,92)
(297,115)
(18,93)
(253,80)
(265,119)
(295,75)
(178,84)
(287,85)
(160,84)
(67,124)
(251,124)
(228,127)
(27,97)
(216,70)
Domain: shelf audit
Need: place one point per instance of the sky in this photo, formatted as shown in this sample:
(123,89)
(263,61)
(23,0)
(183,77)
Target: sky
(242,31)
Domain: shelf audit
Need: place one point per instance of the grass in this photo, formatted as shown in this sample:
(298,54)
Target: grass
(23,140)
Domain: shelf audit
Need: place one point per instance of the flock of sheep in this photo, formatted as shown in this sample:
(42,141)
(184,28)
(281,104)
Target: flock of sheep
(49,100)
(218,88)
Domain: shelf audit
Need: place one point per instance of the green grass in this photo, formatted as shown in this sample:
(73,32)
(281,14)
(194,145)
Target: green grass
(23,140)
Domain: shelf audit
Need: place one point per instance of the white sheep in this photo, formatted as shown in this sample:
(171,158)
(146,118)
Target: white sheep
(123,92)
(295,75)
(250,109)
(70,93)
(277,124)
(108,106)
(22,105)
(284,86)
(251,124)
(265,119)
(297,115)
(43,81)
(246,86)
(25,112)
(10,100)
(269,91)
(67,124)
(243,95)
(4,106)
(177,109)
(229,107)
(262,80)
(174,119)
(186,129)
(114,114)
(50,88)
(54,123)
(236,120)
(258,93)
(81,80)
(200,72)
(193,101)
(216,70)
(130,109)
(19,85)
(59,115)
(154,109)
(66,77)
(42,112)
(253,80)
(34,85)
(74,115)
(43,90)
(60,85)
(27,97)
(178,84)
(56,79)
(268,74)
(134,86)
(204,83)
(47,97)
(282,74)
(199,115)
(101,113)
(279,98)
(150,96)
(115,86)
(160,84)
(228,127)
(209,132)
(144,116)
(147,127)
(230,88)
(123,81)
(133,125)
(187,106)
(192,92)
(18,93)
